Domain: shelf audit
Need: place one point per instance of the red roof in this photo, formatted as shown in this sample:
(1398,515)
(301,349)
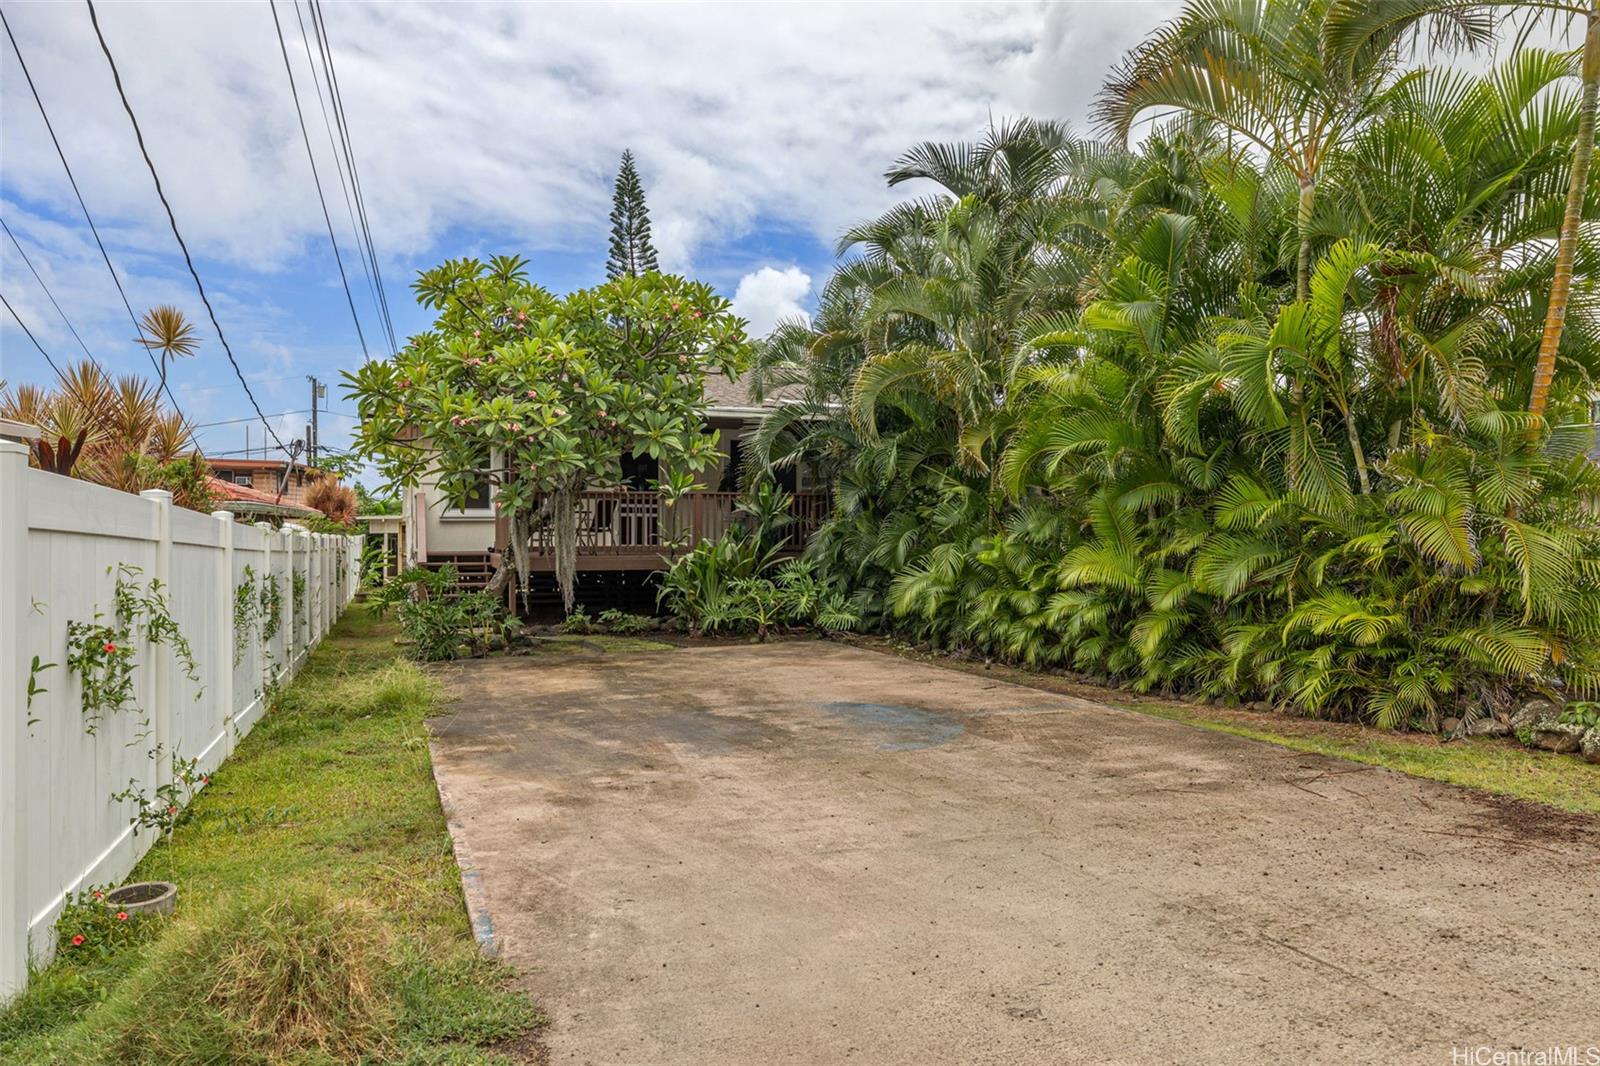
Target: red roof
(245,494)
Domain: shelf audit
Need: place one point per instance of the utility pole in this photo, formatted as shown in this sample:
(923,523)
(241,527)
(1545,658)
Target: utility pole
(319,391)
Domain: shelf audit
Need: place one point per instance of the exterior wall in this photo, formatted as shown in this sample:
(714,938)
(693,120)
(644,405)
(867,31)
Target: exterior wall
(449,531)
(60,831)
(264,478)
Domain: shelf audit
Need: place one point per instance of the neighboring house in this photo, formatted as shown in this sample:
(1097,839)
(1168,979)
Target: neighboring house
(389,532)
(619,530)
(282,479)
(253,505)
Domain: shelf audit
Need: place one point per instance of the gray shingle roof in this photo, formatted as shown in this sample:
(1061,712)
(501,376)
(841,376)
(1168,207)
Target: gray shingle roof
(720,392)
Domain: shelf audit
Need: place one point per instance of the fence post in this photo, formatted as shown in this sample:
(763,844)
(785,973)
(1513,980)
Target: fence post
(303,539)
(323,555)
(160,657)
(291,631)
(225,624)
(13,716)
(261,623)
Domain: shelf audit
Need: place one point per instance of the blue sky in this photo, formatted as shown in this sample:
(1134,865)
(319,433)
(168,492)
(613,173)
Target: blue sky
(478,129)
(760,132)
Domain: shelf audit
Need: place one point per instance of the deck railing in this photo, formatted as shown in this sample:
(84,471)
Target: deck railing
(640,523)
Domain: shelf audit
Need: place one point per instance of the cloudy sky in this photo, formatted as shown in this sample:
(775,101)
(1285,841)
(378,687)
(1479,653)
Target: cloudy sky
(760,131)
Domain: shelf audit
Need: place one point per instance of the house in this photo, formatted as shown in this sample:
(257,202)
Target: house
(626,533)
(283,479)
(253,505)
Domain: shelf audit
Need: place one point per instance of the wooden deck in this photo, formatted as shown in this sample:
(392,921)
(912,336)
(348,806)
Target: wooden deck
(633,530)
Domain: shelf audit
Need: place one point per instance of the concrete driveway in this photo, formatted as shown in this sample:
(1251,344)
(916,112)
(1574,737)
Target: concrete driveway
(809,853)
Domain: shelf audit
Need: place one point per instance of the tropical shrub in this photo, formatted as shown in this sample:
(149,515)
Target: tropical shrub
(336,502)
(623,624)
(1191,419)
(439,619)
(732,585)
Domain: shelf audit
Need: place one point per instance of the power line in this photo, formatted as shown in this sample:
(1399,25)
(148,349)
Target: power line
(31,337)
(51,295)
(338,163)
(280,414)
(236,421)
(337,99)
(336,94)
(173,222)
(317,178)
(161,376)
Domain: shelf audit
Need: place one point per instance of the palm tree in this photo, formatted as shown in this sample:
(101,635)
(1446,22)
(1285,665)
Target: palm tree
(1353,24)
(165,330)
(113,432)
(1259,68)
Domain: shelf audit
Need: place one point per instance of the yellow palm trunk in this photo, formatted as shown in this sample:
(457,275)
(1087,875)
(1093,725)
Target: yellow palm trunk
(1561,288)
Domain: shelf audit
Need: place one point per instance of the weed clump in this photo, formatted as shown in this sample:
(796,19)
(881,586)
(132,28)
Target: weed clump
(303,975)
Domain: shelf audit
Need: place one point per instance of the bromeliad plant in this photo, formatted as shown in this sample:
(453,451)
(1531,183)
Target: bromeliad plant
(540,397)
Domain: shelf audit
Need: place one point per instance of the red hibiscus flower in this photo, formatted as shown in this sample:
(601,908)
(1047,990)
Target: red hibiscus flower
(122,916)
(109,647)
(77,941)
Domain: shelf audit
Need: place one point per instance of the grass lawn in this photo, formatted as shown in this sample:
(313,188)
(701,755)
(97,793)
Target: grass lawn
(1501,766)
(320,914)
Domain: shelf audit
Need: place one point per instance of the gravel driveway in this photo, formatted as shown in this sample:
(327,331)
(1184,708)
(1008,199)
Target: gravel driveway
(810,853)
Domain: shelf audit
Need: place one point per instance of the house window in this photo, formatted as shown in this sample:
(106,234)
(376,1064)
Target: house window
(639,470)
(478,504)
(478,498)
(479,501)
(242,479)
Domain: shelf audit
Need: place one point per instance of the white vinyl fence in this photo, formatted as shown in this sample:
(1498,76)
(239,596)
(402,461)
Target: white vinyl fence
(63,545)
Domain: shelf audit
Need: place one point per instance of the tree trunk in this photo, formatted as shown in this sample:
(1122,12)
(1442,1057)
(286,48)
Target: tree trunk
(1582,151)
(1302,266)
(1356,450)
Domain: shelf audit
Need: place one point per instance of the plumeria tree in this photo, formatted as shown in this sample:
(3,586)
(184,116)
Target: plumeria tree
(540,397)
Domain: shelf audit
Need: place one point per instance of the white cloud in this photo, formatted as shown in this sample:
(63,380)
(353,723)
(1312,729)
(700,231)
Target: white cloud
(510,118)
(767,295)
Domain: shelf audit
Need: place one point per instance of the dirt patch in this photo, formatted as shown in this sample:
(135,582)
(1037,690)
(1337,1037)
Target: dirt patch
(807,852)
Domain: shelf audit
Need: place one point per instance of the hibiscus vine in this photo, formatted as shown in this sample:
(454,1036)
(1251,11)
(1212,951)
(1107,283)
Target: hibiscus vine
(298,583)
(270,605)
(100,652)
(246,612)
